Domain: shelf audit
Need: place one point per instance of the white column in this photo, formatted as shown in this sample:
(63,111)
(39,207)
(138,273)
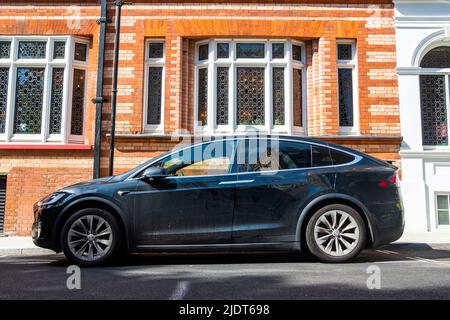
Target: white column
(410,114)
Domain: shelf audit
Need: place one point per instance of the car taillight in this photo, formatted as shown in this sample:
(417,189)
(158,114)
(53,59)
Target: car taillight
(394,179)
(391,181)
(383,184)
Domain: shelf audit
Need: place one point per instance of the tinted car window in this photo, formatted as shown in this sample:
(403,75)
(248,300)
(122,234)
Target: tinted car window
(321,156)
(339,157)
(207,159)
(275,155)
(294,155)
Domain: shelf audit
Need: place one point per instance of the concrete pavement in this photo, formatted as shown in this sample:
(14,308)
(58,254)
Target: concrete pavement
(20,246)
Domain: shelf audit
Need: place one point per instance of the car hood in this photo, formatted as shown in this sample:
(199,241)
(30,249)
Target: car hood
(91,185)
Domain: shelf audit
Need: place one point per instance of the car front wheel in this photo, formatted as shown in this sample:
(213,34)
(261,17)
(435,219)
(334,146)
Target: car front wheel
(91,237)
(335,233)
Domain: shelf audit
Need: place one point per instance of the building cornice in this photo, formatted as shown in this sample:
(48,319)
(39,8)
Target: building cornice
(425,154)
(264,2)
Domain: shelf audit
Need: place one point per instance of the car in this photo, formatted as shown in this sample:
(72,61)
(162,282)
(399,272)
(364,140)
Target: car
(240,193)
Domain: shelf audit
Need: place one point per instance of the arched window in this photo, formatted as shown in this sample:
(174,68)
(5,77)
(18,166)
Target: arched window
(436,58)
(434,97)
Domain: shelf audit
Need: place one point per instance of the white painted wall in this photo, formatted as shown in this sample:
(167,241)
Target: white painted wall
(420,25)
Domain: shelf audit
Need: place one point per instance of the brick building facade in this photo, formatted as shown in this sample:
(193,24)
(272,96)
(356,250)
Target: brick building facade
(316,68)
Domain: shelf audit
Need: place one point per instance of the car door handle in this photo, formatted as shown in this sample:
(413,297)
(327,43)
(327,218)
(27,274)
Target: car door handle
(237,182)
(123,192)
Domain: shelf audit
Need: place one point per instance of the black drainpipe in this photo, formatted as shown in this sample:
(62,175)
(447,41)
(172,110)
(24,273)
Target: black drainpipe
(98,100)
(119,4)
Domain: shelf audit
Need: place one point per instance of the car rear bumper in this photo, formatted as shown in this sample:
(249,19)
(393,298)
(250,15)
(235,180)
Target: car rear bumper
(386,236)
(389,223)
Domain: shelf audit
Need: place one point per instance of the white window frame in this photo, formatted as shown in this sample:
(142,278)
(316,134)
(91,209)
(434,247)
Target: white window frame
(349,64)
(154,62)
(301,65)
(436,211)
(48,63)
(232,62)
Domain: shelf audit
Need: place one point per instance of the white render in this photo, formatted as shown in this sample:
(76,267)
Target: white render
(420,26)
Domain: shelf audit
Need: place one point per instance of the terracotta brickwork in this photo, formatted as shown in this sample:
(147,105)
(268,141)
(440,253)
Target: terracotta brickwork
(34,173)
(319,24)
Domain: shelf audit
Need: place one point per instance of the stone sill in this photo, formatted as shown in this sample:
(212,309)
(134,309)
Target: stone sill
(342,139)
(16,146)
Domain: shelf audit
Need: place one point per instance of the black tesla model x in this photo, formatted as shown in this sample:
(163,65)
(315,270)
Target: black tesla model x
(237,193)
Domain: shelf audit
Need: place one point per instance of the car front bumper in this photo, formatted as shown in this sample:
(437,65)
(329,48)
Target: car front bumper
(42,228)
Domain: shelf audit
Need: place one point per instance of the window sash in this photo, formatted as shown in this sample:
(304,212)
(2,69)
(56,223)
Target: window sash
(202,96)
(154,95)
(443,214)
(427,137)
(155,62)
(78,99)
(345,101)
(56,101)
(30,88)
(298,96)
(222,101)
(4,81)
(352,127)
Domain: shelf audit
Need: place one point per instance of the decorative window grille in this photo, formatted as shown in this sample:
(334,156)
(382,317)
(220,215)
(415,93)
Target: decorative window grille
(434,110)
(435,96)
(249,83)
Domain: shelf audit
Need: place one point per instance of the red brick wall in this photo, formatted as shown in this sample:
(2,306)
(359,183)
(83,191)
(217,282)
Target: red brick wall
(32,175)
(319,25)
(182,24)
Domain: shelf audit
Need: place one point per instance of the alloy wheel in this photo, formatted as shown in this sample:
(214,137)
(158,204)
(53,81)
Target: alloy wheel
(336,233)
(90,238)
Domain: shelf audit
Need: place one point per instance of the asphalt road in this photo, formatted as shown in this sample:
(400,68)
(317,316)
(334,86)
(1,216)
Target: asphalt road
(408,271)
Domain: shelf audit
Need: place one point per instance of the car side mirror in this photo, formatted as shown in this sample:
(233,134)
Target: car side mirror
(154,174)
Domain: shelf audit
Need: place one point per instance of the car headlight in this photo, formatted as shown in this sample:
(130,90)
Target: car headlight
(52,199)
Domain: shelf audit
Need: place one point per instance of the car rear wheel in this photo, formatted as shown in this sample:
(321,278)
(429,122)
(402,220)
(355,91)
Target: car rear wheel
(91,237)
(335,233)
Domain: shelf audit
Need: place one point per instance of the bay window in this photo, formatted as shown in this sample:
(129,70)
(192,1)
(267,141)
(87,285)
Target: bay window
(244,84)
(42,88)
(347,88)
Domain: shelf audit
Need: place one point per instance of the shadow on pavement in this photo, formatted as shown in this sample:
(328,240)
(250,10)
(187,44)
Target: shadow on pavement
(232,276)
(392,252)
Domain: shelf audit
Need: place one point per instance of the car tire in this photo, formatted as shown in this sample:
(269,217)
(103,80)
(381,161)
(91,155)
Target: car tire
(335,233)
(95,229)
